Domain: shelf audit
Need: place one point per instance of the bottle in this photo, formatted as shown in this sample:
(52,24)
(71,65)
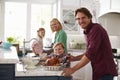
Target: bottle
(72,44)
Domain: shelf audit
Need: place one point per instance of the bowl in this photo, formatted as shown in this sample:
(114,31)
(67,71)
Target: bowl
(6,45)
(30,62)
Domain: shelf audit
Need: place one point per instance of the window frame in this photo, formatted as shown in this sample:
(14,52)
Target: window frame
(28,26)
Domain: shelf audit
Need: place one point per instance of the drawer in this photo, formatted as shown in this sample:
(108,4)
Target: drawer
(37,78)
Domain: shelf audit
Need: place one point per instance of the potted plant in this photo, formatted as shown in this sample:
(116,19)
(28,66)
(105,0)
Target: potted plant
(14,41)
(10,39)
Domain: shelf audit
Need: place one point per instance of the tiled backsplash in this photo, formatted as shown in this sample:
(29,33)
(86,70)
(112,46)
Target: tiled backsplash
(79,41)
(75,42)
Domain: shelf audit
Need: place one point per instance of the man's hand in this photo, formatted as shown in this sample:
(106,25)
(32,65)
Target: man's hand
(67,72)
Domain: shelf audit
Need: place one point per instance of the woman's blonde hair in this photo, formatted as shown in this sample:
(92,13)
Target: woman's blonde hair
(55,20)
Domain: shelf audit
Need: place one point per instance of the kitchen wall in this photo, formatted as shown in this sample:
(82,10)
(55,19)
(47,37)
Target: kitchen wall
(109,18)
(115,41)
(76,41)
(111,22)
(1,24)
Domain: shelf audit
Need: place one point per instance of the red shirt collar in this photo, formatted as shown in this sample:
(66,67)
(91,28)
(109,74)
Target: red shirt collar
(86,31)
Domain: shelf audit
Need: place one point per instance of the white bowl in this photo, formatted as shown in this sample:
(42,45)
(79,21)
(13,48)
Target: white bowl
(30,62)
(6,45)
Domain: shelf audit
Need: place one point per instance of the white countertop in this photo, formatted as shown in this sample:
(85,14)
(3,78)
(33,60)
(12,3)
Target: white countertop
(39,71)
(85,73)
(35,71)
(8,55)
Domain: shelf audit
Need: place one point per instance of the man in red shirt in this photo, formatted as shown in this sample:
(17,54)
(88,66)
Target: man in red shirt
(98,49)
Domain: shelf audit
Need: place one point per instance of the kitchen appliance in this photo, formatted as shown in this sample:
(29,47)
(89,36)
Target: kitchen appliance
(72,44)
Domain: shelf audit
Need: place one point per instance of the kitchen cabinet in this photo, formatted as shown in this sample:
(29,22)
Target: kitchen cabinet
(38,74)
(8,59)
(115,4)
(70,4)
(111,6)
(37,78)
(42,78)
(10,70)
(111,22)
(7,71)
(85,73)
(64,78)
(109,16)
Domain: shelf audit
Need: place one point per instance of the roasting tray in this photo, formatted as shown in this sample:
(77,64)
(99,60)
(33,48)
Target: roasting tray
(53,68)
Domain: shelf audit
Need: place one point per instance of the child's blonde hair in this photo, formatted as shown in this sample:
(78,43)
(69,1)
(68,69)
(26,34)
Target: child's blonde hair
(58,43)
(40,29)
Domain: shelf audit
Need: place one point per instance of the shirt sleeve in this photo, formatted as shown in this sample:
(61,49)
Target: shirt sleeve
(94,41)
(37,47)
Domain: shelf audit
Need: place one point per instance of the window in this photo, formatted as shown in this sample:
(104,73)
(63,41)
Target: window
(40,17)
(23,19)
(15,19)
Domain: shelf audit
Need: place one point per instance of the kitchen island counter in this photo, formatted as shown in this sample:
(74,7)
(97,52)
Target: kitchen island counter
(8,60)
(38,74)
(11,69)
(8,56)
(38,71)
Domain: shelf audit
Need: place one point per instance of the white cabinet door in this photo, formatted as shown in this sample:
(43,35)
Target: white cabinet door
(111,6)
(70,4)
(84,73)
(104,6)
(115,4)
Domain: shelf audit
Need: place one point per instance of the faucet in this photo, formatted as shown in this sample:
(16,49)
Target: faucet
(24,42)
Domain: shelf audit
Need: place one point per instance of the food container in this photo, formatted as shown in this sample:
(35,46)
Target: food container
(72,44)
(30,62)
(6,45)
